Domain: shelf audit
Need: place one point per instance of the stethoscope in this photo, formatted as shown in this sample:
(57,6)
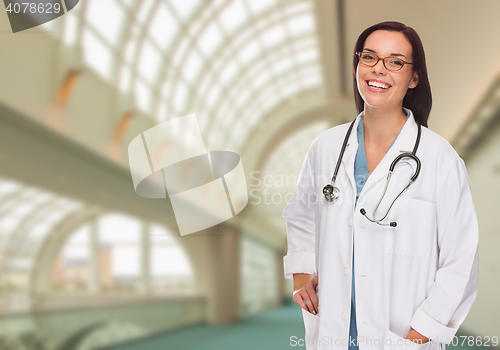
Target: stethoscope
(331,192)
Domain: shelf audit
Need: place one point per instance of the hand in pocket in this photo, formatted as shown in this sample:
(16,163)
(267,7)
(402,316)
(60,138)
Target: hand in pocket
(306,296)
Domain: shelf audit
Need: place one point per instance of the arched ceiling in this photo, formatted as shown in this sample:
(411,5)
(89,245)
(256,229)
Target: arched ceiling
(230,61)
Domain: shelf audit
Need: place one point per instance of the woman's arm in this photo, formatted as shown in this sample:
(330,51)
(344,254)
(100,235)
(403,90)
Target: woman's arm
(299,213)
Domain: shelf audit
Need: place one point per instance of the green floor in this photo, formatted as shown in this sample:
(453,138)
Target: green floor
(270,330)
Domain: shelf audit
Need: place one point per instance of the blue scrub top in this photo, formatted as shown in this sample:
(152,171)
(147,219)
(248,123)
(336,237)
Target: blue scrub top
(361,174)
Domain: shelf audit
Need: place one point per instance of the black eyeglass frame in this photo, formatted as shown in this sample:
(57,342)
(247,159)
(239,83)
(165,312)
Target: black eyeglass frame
(383,61)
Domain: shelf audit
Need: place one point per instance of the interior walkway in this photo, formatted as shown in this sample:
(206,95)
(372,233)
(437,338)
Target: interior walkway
(270,330)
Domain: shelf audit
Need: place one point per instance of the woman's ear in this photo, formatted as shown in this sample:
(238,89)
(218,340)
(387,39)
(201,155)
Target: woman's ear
(414,81)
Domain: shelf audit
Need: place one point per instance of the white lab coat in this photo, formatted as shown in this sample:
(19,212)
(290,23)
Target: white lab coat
(421,274)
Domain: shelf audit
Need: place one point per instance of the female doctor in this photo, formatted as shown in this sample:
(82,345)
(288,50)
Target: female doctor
(378,261)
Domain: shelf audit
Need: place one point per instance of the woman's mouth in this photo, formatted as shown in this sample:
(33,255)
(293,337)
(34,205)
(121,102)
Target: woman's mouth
(374,86)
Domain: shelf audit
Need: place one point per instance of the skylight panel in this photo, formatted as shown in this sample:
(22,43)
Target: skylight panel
(161,114)
(297,7)
(311,81)
(143,96)
(243,98)
(270,98)
(213,96)
(40,230)
(308,70)
(163,27)
(149,62)
(233,16)
(210,40)
(184,8)
(106,17)
(258,6)
(192,67)
(261,80)
(289,90)
(179,53)
(165,90)
(282,65)
(228,72)
(274,35)
(128,3)
(130,50)
(249,52)
(144,10)
(181,94)
(96,54)
(301,24)
(307,56)
(70,28)
(8,224)
(8,187)
(24,208)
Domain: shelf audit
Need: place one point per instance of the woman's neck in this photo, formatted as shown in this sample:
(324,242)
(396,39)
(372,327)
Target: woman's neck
(381,126)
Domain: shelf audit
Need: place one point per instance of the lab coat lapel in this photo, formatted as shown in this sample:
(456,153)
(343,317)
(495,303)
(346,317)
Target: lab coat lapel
(350,153)
(404,143)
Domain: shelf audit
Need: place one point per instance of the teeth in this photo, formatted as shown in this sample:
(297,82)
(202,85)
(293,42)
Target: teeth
(378,85)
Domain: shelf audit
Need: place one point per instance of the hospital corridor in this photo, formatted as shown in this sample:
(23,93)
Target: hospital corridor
(91,260)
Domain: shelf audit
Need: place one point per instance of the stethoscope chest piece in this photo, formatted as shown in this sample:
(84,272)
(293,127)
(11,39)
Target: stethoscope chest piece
(331,193)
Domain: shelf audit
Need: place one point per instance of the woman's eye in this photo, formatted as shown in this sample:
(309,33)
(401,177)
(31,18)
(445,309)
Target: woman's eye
(367,57)
(397,63)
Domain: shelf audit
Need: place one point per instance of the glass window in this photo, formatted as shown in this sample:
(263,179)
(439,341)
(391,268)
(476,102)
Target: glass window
(118,251)
(301,24)
(97,55)
(149,62)
(170,266)
(192,67)
(163,27)
(184,8)
(210,40)
(143,96)
(233,16)
(70,271)
(106,17)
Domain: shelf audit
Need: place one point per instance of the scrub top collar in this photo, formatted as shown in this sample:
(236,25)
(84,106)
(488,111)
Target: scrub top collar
(403,143)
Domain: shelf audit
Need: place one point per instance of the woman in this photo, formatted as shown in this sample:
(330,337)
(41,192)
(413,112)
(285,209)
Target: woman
(380,280)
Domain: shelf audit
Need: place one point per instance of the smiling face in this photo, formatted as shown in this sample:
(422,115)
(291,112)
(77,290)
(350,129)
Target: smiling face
(392,86)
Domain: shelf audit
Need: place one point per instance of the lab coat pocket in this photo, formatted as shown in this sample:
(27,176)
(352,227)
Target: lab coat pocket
(416,228)
(395,342)
(311,323)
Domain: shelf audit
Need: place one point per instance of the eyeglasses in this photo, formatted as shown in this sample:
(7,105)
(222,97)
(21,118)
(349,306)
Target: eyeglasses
(390,63)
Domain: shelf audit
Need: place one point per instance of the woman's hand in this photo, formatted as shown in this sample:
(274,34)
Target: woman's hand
(416,337)
(305,293)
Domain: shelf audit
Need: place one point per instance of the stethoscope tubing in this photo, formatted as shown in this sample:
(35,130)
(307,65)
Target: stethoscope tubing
(332,193)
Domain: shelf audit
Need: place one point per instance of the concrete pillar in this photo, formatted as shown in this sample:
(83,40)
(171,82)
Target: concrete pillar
(224,271)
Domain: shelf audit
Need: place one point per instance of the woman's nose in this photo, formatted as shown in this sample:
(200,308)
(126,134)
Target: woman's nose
(379,67)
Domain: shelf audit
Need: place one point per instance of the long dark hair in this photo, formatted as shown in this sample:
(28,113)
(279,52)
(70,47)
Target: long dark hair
(418,99)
